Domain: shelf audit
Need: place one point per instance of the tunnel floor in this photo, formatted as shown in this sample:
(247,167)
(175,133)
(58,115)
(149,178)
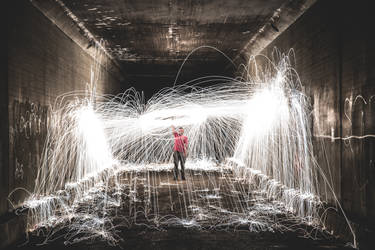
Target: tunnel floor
(210,210)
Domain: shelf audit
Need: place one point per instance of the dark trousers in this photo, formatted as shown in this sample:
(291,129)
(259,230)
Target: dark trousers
(179,157)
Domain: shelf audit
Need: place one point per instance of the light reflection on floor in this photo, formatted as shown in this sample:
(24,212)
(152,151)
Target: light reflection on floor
(150,208)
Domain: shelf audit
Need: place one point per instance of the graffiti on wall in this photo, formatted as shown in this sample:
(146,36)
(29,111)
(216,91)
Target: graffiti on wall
(358,108)
(29,128)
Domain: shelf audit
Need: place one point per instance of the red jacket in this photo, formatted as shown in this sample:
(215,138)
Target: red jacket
(180,142)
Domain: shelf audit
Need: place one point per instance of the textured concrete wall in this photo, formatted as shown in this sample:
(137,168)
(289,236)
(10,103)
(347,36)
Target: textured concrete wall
(4,132)
(42,63)
(335,58)
(358,112)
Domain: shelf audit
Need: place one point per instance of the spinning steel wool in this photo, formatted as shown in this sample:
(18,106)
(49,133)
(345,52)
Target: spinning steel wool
(249,142)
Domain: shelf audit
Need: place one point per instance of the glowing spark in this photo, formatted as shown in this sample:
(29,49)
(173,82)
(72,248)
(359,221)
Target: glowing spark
(254,132)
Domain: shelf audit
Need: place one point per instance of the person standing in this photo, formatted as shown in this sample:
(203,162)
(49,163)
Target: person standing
(179,151)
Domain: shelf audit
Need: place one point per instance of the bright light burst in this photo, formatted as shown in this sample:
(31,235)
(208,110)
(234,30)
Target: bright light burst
(254,132)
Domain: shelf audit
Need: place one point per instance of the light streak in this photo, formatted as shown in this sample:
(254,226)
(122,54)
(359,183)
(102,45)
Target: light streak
(334,138)
(245,136)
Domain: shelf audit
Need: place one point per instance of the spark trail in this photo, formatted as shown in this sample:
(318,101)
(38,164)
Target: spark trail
(245,136)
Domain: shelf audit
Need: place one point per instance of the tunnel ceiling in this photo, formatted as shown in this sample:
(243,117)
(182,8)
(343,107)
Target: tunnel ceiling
(151,38)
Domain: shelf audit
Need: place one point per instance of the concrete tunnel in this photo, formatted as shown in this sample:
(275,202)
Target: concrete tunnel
(90,89)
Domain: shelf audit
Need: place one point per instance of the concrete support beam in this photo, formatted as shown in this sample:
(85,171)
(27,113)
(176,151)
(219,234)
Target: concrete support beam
(281,19)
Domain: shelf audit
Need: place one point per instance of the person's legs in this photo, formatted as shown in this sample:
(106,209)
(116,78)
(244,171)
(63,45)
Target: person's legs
(175,160)
(182,159)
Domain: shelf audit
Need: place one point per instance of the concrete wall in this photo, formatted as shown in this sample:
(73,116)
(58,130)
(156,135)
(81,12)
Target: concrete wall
(335,58)
(4,131)
(42,63)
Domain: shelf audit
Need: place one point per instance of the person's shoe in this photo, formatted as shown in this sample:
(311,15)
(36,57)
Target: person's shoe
(182,175)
